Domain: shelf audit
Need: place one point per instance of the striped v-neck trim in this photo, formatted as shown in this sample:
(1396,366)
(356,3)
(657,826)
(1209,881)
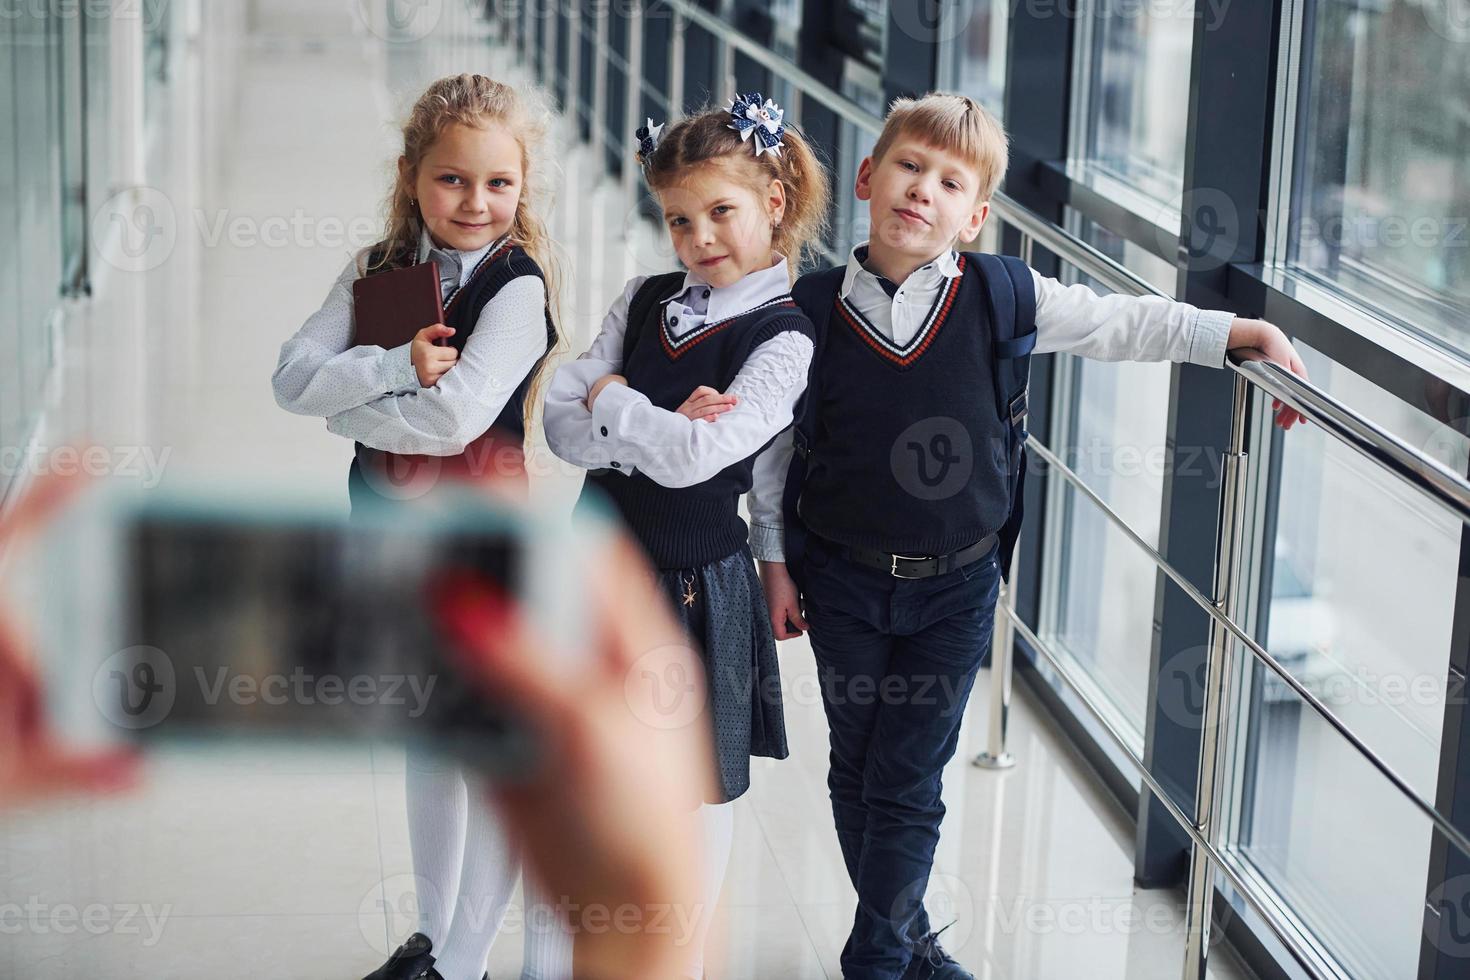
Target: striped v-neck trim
(677,348)
(486,260)
(915,348)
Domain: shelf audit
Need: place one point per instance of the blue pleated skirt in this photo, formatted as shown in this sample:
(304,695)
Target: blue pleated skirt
(723,608)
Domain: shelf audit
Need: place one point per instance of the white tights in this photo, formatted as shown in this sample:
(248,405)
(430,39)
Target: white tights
(717,823)
(466,873)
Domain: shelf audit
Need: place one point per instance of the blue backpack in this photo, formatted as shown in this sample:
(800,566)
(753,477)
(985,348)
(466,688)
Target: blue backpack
(1010,294)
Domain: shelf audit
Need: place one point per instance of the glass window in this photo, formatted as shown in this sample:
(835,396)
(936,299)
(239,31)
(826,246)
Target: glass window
(1358,589)
(97,38)
(1110,422)
(973,55)
(854,144)
(540,14)
(10,400)
(73,120)
(753,18)
(615,99)
(157,30)
(1382,196)
(587,54)
(701,66)
(1137,66)
(37,149)
(566,22)
(658,40)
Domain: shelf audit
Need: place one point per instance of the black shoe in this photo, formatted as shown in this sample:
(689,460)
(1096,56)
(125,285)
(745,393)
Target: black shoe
(932,962)
(407,960)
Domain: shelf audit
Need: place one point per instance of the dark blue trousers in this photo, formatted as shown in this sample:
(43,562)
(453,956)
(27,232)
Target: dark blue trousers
(897,660)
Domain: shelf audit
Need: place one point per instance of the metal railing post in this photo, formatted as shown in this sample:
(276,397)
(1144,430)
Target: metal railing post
(1002,652)
(1207,792)
(1002,647)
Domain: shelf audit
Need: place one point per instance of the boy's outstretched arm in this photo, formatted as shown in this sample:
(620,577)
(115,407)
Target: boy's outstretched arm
(1114,327)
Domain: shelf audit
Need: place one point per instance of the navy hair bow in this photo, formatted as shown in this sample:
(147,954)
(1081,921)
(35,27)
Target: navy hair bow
(752,116)
(647,136)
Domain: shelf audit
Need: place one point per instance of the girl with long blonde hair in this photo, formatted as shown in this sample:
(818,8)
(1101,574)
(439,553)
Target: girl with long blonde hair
(456,401)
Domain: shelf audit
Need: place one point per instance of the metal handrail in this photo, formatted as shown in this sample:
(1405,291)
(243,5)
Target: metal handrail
(1211,608)
(1391,453)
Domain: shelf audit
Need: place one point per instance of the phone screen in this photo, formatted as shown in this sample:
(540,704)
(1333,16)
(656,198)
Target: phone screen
(238,627)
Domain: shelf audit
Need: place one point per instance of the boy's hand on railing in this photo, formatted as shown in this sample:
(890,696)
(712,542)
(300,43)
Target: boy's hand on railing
(783,600)
(1273,345)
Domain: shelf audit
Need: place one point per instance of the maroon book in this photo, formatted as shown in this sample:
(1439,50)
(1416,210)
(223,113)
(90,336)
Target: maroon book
(389,308)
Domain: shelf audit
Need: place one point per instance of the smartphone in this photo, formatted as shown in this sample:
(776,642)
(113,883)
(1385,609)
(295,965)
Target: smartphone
(196,612)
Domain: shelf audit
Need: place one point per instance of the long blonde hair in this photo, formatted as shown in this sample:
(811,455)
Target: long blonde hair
(475,100)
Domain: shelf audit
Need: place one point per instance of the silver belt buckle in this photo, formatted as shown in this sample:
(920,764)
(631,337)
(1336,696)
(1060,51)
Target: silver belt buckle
(893,569)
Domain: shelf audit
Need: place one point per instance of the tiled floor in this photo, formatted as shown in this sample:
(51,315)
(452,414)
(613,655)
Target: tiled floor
(292,862)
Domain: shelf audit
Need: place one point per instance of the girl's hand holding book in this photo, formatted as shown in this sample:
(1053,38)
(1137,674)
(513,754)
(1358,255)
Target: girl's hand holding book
(431,361)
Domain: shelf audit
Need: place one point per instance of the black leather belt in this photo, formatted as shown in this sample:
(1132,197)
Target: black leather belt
(919,566)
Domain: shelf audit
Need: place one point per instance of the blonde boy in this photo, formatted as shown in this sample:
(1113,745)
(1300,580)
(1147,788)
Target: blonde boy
(904,483)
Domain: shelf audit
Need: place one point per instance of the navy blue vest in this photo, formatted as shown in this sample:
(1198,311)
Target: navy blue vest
(687,527)
(500,450)
(909,454)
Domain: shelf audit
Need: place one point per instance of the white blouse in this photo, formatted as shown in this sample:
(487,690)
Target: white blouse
(628,430)
(372,395)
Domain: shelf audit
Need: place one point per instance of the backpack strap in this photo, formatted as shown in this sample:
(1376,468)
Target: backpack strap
(1011,294)
(814,294)
(655,291)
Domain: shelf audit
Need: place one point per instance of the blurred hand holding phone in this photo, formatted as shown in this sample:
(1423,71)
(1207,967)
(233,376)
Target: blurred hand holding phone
(196,611)
(604,814)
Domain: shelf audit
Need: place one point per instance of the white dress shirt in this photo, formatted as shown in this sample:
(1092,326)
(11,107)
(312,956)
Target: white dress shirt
(628,433)
(1068,318)
(373,395)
